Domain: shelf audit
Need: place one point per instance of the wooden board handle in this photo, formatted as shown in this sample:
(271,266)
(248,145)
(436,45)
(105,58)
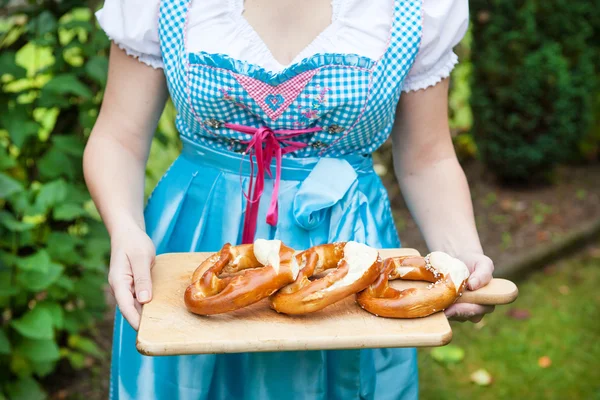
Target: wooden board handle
(498,291)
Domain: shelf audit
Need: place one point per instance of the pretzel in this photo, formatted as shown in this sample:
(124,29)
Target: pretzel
(447,275)
(238,276)
(355,266)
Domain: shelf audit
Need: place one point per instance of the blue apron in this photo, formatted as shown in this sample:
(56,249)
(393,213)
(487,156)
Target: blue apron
(328,191)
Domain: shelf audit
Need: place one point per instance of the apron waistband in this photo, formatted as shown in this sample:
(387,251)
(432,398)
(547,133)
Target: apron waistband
(292,168)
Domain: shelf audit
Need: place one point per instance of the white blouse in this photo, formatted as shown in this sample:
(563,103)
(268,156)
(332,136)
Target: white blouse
(357,27)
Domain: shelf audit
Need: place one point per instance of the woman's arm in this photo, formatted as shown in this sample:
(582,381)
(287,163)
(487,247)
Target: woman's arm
(114,163)
(435,187)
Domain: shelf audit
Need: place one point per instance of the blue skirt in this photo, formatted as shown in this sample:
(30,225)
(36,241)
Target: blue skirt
(198,206)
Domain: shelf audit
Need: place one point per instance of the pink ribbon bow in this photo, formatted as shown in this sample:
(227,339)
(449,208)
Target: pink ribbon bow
(262,147)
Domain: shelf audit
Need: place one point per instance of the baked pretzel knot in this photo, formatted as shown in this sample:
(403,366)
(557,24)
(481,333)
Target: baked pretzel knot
(238,276)
(355,266)
(447,275)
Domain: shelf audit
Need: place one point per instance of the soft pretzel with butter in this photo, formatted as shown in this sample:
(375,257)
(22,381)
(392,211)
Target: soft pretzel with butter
(238,276)
(355,266)
(448,277)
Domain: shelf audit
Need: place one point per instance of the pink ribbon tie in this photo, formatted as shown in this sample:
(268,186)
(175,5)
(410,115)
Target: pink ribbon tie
(265,145)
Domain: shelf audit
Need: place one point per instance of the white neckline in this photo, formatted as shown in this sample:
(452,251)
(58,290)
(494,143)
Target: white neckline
(236,8)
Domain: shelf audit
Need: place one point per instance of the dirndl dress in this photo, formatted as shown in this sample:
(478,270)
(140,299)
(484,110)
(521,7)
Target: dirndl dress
(304,137)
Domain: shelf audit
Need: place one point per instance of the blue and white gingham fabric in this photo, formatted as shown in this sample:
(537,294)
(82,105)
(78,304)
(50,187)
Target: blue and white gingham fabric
(352,97)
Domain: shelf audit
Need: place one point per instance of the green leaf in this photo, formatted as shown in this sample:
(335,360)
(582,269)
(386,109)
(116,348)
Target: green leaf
(20,366)
(449,354)
(44,368)
(38,350)
(22,202)
(89,288)
(96,253)
(34,58)
(66,284)
(92,211)
(54,164)
(8,65)
(44,23)
(62,247)
(56,311)
(49,99)
(7,289)
(73,55)
(77,193)
(36,281)
(97,68)
(76,359)
(9,221)
(39,261)
(69,144)
(85,345)
(35,324)
(8,186)
(46,117)
(52,194)
(7,260)
(77,320)
(68,212)
(25,389)
(21,131)
(67,84)
(6,160)
(4,343)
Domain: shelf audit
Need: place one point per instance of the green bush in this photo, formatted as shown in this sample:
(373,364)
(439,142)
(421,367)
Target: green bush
(53,247)
(535,73)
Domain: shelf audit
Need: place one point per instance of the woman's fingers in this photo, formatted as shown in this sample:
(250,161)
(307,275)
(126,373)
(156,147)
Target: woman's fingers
(467,312)
(142,281)
(126,304)
(121,282)
(481,275)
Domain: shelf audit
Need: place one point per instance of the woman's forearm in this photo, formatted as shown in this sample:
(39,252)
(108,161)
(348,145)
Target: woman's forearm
(430,177)
(115,179)
(438,197)
(117,150)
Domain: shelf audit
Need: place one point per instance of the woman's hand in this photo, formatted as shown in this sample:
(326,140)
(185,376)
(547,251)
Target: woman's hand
(481,268)
(131,259)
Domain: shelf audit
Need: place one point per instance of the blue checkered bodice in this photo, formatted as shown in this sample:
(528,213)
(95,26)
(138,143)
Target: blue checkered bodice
(352,98)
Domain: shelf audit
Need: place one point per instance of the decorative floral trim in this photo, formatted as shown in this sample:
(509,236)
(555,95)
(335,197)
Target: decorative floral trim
(149,60)
(227,97)
(225,62)
(311,113)
(433,76)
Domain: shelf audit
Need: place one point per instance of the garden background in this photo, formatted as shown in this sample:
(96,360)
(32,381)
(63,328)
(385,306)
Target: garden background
(525,118)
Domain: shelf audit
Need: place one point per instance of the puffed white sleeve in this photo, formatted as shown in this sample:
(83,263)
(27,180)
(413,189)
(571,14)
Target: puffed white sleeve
(445,22)
(133,26)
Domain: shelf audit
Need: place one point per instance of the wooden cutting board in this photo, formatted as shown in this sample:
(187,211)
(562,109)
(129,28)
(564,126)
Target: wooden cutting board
(167,328)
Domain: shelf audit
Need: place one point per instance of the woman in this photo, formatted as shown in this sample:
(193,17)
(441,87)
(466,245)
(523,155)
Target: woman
(319,82)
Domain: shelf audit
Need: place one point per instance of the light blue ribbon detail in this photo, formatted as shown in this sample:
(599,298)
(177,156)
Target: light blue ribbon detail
(325,186)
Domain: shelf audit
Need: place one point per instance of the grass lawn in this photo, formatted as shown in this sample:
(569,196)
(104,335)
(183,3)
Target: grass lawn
(546,345)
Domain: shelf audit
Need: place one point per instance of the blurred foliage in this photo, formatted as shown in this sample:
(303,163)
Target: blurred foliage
(53,246)
(459,107)
(535,76)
